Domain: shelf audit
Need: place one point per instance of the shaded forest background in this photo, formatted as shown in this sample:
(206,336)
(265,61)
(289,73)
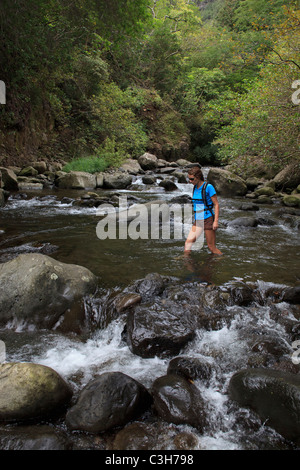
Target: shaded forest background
(207,80)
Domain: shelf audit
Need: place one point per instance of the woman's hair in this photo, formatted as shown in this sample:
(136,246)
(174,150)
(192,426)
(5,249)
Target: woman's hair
(196,171)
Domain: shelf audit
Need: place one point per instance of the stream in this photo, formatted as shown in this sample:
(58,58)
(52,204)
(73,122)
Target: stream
(47,222)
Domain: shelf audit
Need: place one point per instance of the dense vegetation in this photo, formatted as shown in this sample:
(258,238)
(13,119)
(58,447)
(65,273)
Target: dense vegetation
(209,80)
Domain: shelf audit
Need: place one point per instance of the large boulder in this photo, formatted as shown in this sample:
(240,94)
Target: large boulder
(132,166)
(9,179)
(111,399)
(148,161)
(31,391)
(37,290)
(117,180)
(274,395)
(76,180)
(226,183)
(289,177)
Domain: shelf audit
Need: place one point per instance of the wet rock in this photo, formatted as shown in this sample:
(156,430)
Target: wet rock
(291,295)
(191,368)
(243,222)
(30,391)
(136,436)
(37,290)
(112,399)
(147,179)
(32,438)
(249,207)
(185,441)
(226,183)
(239,293)
(178,401)
(160,329)
(274,395)
(168,185)
(148,288)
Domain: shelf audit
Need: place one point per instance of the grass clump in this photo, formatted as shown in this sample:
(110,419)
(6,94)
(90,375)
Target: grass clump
(88,164)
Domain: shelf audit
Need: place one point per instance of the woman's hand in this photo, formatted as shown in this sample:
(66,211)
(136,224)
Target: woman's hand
(215,225)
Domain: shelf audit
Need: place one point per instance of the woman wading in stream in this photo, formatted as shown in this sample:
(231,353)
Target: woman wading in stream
(206,212)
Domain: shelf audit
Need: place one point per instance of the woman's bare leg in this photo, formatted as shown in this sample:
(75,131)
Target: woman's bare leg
(210,236)
(194,234)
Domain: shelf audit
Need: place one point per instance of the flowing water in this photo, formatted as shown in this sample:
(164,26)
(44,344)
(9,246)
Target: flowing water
(46,222)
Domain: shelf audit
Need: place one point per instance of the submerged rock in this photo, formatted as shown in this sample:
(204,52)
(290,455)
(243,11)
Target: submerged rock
(273,395)
(30,391)
(112,399)
(32,438)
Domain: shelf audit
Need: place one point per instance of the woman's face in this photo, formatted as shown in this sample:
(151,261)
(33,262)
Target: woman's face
(193,179)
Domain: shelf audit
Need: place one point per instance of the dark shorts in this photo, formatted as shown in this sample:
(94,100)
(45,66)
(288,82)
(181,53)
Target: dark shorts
(208,223)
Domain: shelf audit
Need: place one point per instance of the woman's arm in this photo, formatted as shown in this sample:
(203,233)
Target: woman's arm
(217,211)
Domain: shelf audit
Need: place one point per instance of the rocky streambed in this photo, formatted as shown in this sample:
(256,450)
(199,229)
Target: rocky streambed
(219,368)
(125,345)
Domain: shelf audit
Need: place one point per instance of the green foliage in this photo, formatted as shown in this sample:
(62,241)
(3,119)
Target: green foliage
(87,164)
(105,80)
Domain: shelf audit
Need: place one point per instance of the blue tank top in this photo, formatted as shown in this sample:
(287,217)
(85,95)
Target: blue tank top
(198,203)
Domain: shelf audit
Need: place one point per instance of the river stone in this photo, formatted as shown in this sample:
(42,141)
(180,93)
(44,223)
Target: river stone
(274,395)
(168,185)
(191,368)
(177,400)
(117,180)
(148,161)
(265,191)
(226,183)
(292,200)
(41,437)
(2,197)
(30,391)
(37,290)
(161,329)
(112,399)
(289,177)
(9,179)
(132,166)
(243,222)
(39,166)
(76,180)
